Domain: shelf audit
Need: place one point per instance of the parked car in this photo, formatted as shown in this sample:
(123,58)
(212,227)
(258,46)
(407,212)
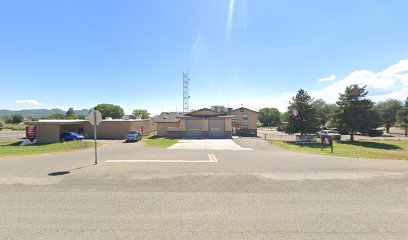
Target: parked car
(70,136)
(335,136)
(133,136)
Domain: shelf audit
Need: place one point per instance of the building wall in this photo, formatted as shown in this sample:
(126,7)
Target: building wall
(162,128)
(251,129)
(78,128)
(182,125)
(143,126)
(117,129)
(48,133)
(252,118)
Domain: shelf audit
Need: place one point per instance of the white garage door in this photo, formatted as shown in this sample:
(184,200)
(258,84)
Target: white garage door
(193,128)
(216,128)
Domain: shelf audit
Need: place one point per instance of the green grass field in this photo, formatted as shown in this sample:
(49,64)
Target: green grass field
(12,148)
(397,150)
(159,142)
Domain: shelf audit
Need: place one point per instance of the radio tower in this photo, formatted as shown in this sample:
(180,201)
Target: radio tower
(186,94)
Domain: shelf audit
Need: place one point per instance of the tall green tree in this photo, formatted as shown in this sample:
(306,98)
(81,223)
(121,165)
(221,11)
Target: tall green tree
(354,110)
(70,114)
(141,113)
(324,110)
(110,110)
(402,117)
(306,121)
(219,109)
(269,116)
(388,111)
(16,119)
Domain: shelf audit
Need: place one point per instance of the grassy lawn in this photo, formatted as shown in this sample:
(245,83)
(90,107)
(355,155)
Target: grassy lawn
(159,142)
(397,150)
(12,148)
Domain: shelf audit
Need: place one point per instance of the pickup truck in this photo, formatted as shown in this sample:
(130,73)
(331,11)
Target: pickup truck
(328,133)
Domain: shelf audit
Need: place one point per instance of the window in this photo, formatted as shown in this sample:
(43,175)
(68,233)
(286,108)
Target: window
(234,117)
(245,117)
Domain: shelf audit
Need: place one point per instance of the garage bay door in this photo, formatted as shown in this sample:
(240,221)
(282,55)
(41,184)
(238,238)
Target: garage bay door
(216,128)
(193,128)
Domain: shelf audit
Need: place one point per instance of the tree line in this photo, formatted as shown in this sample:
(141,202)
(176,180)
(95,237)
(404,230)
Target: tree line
(107,110)
(352,113)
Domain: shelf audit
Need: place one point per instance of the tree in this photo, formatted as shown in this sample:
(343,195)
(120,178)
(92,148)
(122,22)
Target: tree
(141,113)
(219,109)
(324,110)
(110,110)
(388,111)
(81,116)
(269,116)
(402,116)
(354,110)
(56,116)
(16,119)
(70,114)
(7,119)
(306,121)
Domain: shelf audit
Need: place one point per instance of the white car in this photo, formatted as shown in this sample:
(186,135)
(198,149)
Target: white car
(328,133)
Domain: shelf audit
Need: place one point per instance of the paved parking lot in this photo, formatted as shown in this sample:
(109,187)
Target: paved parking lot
(9,135)
(265,193)
(208,144)
(272,134)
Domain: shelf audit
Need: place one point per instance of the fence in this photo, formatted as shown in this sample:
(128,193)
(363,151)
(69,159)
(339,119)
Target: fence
(292,138)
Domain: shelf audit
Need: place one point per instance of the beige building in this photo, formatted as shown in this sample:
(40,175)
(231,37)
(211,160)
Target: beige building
(48,131)
(203,123)
(244,122)
(206,123)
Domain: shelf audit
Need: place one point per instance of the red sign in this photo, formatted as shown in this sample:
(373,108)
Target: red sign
(31,132)
(295,113)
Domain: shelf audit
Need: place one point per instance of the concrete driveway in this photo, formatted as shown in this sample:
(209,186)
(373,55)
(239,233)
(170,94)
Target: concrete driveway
(208,144)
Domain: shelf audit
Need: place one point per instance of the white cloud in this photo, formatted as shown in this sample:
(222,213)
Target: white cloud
(28,102)
(327,79)
(392,82)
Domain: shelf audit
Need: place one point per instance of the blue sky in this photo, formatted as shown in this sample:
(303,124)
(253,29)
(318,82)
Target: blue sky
(252,52)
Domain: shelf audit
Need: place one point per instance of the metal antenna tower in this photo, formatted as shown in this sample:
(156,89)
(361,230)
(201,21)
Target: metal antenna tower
(186,94)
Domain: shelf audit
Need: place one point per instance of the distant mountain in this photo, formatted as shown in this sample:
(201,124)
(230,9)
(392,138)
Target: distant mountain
(39,113)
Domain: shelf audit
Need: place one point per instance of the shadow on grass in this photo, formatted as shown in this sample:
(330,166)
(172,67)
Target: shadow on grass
(158,137)
(375,145)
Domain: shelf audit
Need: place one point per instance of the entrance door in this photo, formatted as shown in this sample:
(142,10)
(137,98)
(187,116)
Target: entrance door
(216,128)
(193,128)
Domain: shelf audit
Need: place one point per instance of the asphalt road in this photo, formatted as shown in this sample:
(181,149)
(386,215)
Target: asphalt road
(9,135)
(266,193)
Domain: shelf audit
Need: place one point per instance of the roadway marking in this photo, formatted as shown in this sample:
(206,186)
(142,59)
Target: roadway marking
(158,161)
(212,158)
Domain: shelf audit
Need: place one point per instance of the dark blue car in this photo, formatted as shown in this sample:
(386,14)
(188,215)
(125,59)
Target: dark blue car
(70,136)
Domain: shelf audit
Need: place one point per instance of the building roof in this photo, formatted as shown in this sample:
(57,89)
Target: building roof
(238,109)
(169,116)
